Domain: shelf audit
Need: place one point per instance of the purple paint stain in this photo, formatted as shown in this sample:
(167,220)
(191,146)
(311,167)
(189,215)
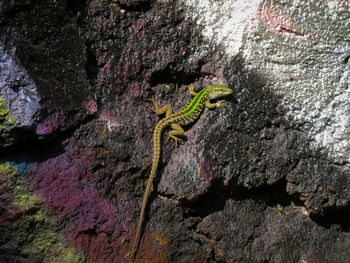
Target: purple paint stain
(92,223)
(138,27)
(205,170)
(91,106)
(181,47)
(51,123)
(108,116)
(134,91)
(313,258)
(104,72)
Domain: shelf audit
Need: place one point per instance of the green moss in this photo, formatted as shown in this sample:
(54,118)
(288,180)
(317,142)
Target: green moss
(7,122)
(6,118)
(23,199)
(48,243)
(6,168)
(34,229)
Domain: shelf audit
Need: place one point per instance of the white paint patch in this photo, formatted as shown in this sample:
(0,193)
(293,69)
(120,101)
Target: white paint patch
(223,22)
(306,69)
(332,128)
(332,4)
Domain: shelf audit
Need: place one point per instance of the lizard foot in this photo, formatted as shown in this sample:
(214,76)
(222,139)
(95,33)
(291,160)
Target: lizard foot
(221,103)
(175,139)
(130,256)
(154,103)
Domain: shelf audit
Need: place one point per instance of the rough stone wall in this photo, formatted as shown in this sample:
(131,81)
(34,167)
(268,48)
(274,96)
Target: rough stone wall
(265,179)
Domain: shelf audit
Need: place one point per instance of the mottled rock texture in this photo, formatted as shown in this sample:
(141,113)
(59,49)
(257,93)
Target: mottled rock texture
(265,179)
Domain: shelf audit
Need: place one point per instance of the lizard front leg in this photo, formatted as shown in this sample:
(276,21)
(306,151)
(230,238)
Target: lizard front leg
(218,104)
(167,109)
(191,90)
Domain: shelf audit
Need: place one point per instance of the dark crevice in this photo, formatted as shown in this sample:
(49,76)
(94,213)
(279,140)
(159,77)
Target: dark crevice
(204,240)
(212,201)
(169,75)
(15,86)
(35,149)
(91,67)
(215,198)
(94,169)
(333,216)
(142,6)
(291,31)
(10,9)
(90,232)
(346,60)
(76,7)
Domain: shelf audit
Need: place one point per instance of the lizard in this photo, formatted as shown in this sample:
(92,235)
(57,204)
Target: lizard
(187,115)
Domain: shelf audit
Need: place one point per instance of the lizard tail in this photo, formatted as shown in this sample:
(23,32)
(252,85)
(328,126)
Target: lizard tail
(156,155)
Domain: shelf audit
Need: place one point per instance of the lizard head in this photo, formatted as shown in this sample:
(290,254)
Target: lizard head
(217,91)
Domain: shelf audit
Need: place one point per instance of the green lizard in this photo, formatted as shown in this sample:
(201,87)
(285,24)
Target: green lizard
(187,115)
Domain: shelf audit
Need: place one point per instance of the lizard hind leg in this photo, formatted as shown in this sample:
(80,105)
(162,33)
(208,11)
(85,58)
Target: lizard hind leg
(176,130)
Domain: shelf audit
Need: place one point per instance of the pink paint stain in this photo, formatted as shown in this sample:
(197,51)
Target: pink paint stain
(106,69)
(134,91)
(139,26)
(92,223)
(105,72)
(205,171)
(95,6)
(129,70)
(107,116)
(181,47)
(55,121)
(91,106)
(277,22)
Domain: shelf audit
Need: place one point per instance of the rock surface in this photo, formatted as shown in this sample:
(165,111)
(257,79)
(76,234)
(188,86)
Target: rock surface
(265,179)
